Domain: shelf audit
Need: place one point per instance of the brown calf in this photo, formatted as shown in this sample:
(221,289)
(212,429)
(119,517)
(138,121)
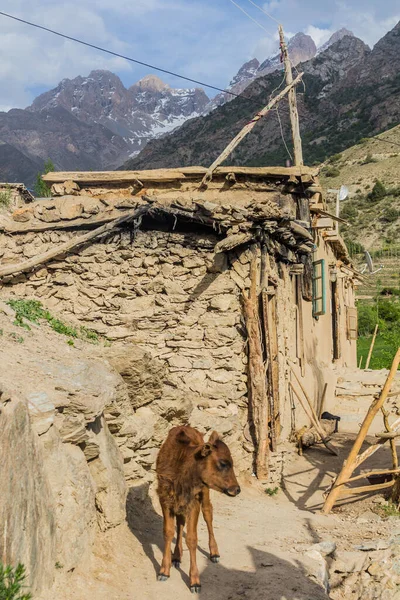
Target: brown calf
(187,468)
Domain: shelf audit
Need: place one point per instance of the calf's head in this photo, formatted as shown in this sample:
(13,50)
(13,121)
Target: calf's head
(216,466)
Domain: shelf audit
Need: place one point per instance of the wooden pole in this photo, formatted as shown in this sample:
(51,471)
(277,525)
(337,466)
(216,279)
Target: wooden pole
(258,395)
(350,464)
(360,363)
(246,129)
(371,347)
(294,116)
(41,259)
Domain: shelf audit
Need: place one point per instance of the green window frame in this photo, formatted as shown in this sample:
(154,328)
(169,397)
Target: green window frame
(318,288)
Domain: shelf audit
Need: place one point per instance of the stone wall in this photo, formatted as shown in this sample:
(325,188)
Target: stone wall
(171,308)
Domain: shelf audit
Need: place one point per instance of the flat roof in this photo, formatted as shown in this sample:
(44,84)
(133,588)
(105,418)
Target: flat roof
(184,173)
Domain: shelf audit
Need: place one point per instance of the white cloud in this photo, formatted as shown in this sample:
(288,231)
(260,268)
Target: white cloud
(203,39)
(320,36)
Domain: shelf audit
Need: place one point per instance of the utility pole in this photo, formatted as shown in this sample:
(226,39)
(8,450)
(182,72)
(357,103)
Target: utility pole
(294,115)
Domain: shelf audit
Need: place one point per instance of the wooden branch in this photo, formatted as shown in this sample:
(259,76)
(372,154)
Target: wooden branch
(371,346)
(314,421)
(369,473)
(258,396)
(364,489)
(388,435)
(269,373)
(27,265)
(246,129)
(350,464)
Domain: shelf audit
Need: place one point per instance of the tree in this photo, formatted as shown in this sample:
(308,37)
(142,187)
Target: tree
(378,191)
(41,190)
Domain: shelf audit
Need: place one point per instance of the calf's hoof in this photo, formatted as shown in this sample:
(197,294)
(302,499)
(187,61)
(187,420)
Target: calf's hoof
(162,577)
(214,558)
(176,563)
(196,588)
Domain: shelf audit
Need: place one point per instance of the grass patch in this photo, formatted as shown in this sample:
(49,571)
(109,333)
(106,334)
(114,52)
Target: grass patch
(12,583)
(272,491)
(32,311)
(5,197)
(388,510)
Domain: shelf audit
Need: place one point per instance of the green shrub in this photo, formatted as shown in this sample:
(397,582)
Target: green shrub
(390,215)
(12,583)
(33,311)
(367,318)
(369,159)
(40,188)
(335,158)
(5,197)
(332,172)
(378,191)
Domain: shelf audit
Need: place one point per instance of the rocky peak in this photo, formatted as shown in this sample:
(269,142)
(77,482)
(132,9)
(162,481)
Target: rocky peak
(338,59)
(246,71)
(301,48)
(335,37)
(151,83)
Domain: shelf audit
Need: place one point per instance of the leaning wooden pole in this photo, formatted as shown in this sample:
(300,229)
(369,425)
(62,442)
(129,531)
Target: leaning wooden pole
(371,347)
(294,115)
(246,129)
(258,396)
(351,462)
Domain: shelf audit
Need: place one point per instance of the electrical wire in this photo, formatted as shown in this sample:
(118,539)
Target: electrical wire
(250,17)
(263,11)
(128,58)
(282,134)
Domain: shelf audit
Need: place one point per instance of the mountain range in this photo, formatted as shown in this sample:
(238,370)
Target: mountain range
(95,122)
(348,92)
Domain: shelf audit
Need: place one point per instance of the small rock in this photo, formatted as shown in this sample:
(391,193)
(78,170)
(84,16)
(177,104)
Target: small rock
(377,545)
(349,562)
(325,548)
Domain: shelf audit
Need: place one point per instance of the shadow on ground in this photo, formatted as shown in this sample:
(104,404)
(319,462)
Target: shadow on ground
(264,576)
(308,477)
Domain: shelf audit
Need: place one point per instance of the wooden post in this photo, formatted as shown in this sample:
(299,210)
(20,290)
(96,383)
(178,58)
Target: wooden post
(294,116)
(258,395)
(247,128)
(360,363)
(351,462)
(371,346)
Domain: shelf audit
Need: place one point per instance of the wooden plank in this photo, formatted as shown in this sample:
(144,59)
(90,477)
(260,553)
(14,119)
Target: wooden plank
(322,223)
(98,177)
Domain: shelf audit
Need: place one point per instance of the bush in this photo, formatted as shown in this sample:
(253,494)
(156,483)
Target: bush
(390,215)
(335,158)
(40,188)
(378,191)
(12,582)
(332,172)
(5,196)
(369,159)
(349,212)
(367,318)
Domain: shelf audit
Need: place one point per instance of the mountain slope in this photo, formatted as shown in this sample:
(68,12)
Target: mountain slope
(15,167)
(324,108)
(373,222)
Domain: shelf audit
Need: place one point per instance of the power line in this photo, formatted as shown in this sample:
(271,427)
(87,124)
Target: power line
(128,58)
(250,17)
(263,11)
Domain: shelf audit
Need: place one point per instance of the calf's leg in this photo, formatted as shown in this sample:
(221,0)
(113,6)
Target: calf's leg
(177,555)
(191,541)
(207,509)
(169,529)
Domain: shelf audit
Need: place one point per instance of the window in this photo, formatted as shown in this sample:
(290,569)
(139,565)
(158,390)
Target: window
(352,328)
(319,293)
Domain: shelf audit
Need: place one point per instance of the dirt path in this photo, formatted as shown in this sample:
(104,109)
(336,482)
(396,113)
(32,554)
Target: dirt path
(263,542)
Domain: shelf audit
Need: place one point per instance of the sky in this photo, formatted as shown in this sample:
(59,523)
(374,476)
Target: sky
(207,40)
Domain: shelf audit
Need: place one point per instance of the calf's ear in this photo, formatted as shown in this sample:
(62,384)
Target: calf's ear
(204,451)
(214,437)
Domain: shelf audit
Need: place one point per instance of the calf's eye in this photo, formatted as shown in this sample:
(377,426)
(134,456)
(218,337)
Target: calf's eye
(223,464)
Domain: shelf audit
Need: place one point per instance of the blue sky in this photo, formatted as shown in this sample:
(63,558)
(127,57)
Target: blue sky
(204,39)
